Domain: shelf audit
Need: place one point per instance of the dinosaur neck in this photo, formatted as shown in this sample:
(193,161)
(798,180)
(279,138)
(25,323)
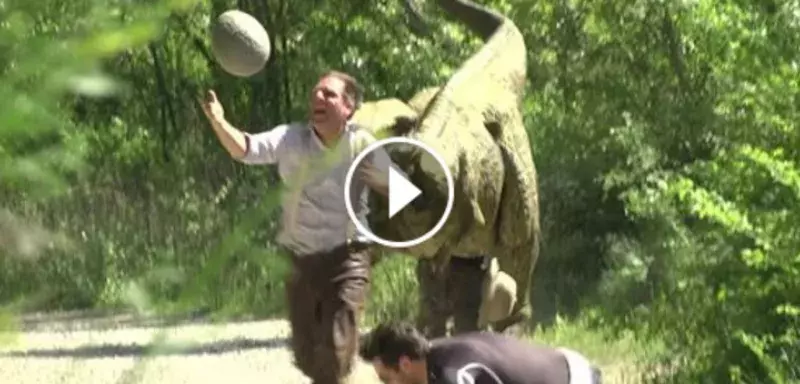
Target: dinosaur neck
(479,19)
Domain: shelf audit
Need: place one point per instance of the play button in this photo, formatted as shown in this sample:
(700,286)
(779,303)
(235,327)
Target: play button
(420,193)
(401,191)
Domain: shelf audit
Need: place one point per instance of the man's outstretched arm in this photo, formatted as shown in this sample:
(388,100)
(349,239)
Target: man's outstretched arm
(248,148)
(264,147)
(232,139)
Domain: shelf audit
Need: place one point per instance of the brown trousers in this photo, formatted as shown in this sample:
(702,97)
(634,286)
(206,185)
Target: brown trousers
(326,294)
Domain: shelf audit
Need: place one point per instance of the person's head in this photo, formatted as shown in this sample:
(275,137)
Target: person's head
(334,99)
(397,352)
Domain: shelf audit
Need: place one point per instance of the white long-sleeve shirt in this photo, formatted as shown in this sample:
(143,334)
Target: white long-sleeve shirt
(314,217)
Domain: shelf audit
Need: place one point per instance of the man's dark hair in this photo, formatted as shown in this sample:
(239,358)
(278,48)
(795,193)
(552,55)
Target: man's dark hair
(389,341)
(352,88)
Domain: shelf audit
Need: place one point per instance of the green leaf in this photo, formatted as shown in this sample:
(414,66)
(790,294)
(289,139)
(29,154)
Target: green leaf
(93,85)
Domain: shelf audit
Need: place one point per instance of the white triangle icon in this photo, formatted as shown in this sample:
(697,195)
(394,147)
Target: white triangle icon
(401,192)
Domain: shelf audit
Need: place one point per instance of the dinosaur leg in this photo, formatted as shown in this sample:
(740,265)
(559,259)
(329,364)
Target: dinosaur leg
(519,225)
(519,264)
(434,310)
(466,280)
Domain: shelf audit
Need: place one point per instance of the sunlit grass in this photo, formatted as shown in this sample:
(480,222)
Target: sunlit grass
(393,294)
(621,357)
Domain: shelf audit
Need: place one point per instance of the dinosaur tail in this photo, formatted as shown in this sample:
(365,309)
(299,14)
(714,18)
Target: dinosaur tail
(500,63)
(481,20)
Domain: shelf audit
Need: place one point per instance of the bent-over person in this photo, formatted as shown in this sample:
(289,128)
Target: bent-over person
(402,355)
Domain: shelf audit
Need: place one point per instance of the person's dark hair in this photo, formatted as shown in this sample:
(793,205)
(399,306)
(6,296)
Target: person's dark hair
(352,88)
(389,341)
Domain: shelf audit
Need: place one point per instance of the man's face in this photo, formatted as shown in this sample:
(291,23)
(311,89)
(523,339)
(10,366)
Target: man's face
(402,374)
(329,104)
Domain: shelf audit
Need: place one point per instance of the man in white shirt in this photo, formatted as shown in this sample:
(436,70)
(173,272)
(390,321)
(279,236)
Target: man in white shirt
(330,279)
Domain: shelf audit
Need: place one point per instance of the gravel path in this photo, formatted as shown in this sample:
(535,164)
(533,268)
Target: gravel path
(75,349)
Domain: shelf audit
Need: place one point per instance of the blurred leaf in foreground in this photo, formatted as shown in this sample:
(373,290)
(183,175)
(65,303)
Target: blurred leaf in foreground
(50,52)
(19,238)
(93,85)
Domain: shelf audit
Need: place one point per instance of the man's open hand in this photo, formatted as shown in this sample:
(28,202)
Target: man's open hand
(212,108)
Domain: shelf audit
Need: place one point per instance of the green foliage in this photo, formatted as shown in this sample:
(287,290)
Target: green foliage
(734,289)
(623,358)
(665,136)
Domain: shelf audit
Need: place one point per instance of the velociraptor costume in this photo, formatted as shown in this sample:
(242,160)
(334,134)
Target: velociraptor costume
(475,123)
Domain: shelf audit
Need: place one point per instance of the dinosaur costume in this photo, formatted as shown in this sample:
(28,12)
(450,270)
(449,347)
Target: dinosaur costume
(475,124)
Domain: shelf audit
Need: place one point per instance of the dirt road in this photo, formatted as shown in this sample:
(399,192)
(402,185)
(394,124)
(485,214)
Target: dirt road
(67,349)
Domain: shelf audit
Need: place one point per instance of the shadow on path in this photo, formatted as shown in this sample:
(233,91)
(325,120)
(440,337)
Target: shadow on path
(167,349)
(99,320)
